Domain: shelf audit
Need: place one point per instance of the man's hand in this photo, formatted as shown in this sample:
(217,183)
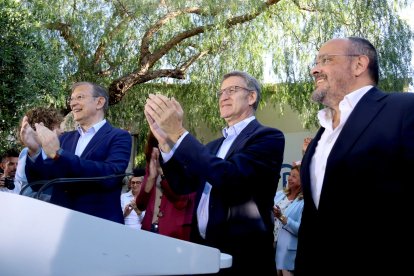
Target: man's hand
(48,139)
(165,118)
(29,137)
(159,134)
(306,143)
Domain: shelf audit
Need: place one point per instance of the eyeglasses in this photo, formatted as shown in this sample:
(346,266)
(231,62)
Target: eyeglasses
(136,182)
(79,98)
(324,60)
(231,90)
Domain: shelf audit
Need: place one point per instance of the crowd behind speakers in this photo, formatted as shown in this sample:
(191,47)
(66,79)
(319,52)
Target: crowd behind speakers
(223,194)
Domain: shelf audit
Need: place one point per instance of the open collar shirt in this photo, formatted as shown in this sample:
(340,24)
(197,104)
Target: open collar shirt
(328,139)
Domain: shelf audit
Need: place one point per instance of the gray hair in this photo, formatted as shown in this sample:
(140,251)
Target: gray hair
(251,82)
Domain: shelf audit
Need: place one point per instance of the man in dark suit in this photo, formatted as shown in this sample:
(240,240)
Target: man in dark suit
(235,176)
(94,149)
(357,171)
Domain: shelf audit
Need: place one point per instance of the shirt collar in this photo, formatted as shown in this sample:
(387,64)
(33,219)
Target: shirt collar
(348,102)
(237,128)
(93,129)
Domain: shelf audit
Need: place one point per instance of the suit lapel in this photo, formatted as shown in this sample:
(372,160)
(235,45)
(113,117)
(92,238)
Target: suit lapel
(305,167)
(242,137)
(360,118)
(362,115)
(74,140)
(99,136)
(214,146)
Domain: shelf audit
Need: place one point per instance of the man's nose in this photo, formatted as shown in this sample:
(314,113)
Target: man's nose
(314,70)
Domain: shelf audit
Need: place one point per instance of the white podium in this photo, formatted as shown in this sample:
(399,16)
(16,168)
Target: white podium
(39,238)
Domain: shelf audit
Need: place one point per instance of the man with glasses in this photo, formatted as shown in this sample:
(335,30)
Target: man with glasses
(235,176)
(94,149)
(356,172)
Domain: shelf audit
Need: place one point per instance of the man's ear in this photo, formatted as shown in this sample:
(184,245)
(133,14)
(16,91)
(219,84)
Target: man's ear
(361,65)
(101,102)
(252,98)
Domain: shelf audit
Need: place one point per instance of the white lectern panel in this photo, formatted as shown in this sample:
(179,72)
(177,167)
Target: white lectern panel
(39,238)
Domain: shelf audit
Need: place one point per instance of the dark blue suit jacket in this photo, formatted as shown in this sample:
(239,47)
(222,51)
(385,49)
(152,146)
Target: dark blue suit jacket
(367,194)
(249,173)
(108,153)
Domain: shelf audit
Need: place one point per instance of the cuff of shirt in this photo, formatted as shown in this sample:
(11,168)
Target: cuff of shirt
(168,156)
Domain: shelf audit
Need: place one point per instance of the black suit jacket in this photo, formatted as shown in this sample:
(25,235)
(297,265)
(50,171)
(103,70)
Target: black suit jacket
(361,225)
(249,174)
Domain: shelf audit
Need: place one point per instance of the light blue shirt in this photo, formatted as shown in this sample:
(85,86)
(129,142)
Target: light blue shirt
(86,137)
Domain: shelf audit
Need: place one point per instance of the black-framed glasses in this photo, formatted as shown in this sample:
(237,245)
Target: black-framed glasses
(79,98)
(136,182)
(323,60)
(231,90)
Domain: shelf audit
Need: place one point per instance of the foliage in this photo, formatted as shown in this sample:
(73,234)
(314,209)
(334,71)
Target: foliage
(183,47)
(28,72)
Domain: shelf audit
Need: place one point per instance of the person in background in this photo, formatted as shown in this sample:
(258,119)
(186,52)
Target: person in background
(288,213)
(235,176)
(306,143)
(356,173)
(167,213)
(132,215)
(8,164)
(52,119)
(94,149)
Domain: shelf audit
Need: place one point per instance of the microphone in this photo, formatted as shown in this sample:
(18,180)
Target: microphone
(50,183)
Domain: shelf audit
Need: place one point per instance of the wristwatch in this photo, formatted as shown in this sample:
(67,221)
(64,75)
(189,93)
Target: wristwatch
(58,154)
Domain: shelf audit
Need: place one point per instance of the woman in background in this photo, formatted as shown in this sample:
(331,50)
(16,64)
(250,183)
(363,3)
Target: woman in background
(166,212)
(288,213)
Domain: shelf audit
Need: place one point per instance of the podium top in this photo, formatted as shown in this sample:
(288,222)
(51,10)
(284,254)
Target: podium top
(44,239)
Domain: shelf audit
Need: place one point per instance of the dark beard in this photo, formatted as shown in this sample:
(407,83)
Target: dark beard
(319,96)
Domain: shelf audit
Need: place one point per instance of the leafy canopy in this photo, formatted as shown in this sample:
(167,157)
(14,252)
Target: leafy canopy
(182,48)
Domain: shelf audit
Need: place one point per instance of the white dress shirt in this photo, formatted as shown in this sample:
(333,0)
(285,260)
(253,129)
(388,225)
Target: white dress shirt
(133,220)
(86,137)
(328,139)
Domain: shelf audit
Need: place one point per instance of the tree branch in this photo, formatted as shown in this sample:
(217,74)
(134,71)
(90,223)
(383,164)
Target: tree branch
(146,39)
(201,29)
(184,67)
(100,50)
(296,2)
(147,60)
(65,32)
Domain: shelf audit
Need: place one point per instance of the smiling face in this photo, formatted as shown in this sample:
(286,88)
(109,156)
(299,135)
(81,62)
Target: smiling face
(334,72)
(294,180)
(239,105)
(87,108)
